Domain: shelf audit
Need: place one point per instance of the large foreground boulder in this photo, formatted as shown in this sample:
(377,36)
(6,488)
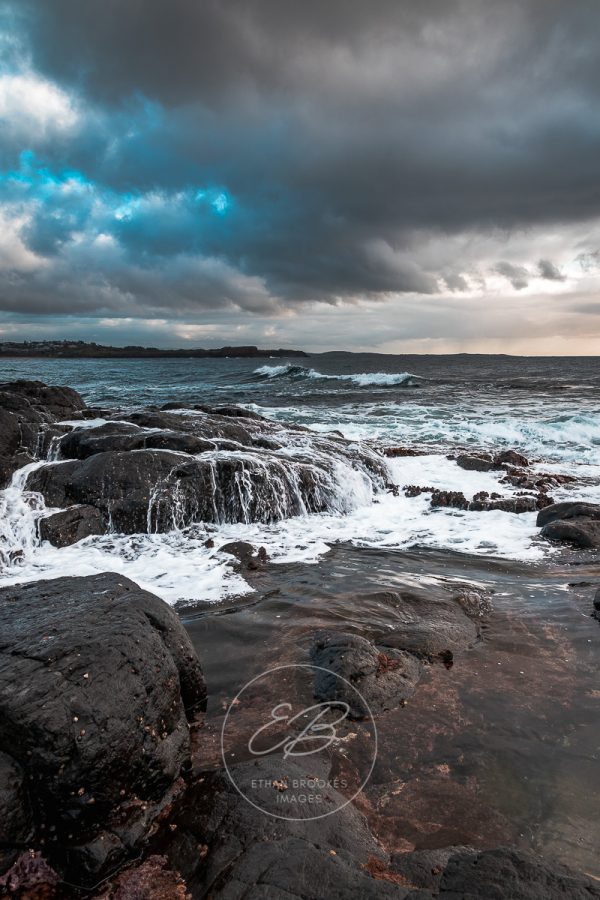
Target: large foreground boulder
(97,680)
(250,853)
(571,522)
(224,848)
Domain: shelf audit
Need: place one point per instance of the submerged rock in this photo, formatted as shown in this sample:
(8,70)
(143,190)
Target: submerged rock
(383,679)
(424,625)
(226,849)
(97,678)
(571,522)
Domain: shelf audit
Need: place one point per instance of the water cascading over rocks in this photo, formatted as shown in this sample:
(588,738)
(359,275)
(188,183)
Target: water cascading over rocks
(155,471)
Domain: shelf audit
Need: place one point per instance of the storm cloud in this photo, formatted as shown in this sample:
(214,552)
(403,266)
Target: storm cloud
(233,168)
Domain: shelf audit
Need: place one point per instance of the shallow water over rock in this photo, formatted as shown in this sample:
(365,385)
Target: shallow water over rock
(501,746)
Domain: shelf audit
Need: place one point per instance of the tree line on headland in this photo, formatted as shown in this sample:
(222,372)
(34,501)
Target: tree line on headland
(83,349)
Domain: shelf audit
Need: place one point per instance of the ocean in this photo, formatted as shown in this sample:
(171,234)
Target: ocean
(502,746)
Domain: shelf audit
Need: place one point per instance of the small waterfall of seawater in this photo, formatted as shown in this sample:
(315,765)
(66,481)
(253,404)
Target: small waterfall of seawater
(19,513)
(243,488)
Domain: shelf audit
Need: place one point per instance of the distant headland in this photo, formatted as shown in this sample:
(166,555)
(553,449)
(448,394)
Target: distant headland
(84,350)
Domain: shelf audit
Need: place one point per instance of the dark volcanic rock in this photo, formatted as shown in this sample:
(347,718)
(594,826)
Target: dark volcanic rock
(569,509)
(236,412)
(511,458)
(394,452)
(295,869)
(96,677)
(506,873)
(28,410)
(10,442)
(121,485)
(15,812)
(71,525)
(81,443)
(425,625)
(454,499)
(384,680)
(415,490)
(204,426)
(159,490)
(30,878)
(508,504)
(250,855)
(474,463)
(571,522)
(55,402)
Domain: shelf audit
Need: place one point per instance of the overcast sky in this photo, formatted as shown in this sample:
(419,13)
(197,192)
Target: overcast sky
(325,174)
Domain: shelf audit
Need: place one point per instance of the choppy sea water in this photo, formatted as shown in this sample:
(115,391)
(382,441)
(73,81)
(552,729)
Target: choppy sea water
(547,408)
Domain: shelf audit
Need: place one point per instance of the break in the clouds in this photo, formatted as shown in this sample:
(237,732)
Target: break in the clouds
(384,175)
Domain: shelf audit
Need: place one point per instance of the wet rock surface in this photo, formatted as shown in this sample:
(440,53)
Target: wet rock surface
(204,840)
(221,847)
(74,524)
(97,679)
(506,873)
(571,522)
(475,463)
(16,824)
(157,470)
(247,853)
(427,626)
(30,878)
(158,490)
(27,411)
(384,679)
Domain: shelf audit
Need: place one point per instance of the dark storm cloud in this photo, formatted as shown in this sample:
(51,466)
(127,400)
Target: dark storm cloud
(340,135)
(547,270)
(517,275)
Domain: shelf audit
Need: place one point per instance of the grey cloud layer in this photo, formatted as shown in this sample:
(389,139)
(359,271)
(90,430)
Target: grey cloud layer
(342,132)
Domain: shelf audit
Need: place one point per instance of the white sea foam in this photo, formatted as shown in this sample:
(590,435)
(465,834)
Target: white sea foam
(180,568)
(571,437)
(362,379)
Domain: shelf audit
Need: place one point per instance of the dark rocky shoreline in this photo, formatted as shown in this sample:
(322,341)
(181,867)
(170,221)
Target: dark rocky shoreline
(108,786)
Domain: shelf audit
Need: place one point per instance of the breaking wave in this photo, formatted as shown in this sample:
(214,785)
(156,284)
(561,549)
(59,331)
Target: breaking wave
(363,379)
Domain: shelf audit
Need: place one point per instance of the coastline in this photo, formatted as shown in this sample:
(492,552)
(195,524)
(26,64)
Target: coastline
(441,645)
